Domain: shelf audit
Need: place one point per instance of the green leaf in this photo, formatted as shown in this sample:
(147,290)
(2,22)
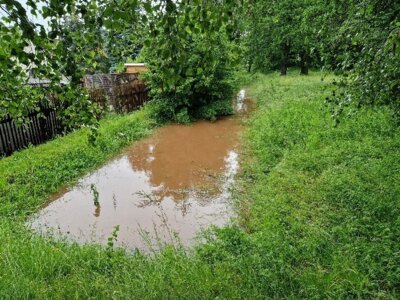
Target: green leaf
(189,72)
(147,6)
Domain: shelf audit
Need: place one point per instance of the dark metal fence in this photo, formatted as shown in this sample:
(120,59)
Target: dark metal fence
(124,93)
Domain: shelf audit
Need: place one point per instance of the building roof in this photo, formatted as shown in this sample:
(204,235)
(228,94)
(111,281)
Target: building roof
(135,65)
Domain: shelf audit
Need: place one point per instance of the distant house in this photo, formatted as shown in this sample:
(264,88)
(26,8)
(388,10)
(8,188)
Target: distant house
(135,67)
(31,79)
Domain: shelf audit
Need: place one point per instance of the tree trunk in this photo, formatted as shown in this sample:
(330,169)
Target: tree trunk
(285,58)
(250,65)
(304,63)
(283,69)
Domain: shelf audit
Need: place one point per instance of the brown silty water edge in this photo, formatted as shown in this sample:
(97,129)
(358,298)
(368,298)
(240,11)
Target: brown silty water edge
(163,189)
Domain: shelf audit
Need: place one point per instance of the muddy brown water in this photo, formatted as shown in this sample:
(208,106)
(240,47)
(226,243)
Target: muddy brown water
(163,189)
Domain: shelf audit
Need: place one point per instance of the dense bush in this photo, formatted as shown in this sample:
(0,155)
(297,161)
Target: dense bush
(200,92)
(190,67)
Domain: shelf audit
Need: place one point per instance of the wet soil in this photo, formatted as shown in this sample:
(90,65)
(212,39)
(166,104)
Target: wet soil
(163,189)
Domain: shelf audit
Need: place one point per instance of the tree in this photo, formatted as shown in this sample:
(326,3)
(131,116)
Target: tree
(73,45)
(278,32)
(190,61)
(76,37)
(33,50)
(358,39)
(368,38)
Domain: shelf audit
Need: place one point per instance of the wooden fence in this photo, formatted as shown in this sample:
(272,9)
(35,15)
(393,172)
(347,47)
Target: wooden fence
(41,126)
(129,96)
(123,95)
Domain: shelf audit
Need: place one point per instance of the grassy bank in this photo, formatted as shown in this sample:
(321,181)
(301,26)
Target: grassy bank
(30,176)
(318,211)
(320,204)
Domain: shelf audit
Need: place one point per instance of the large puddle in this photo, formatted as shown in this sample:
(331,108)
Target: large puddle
(163,189)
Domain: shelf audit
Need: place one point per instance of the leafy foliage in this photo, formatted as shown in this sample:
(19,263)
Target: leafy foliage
(190,60)
(186,42)
(370,41)
(124,23)
(359,39)
(200,83)
(281,34)
(54,56)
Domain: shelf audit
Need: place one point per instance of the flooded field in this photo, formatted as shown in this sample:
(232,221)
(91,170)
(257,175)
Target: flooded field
(162,189)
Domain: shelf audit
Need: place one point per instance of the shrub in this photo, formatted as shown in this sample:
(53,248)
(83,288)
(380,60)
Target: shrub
(190,70)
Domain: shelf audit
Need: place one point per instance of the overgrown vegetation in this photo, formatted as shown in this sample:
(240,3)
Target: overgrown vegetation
(191,60)
(186,45)
(357,39)
(318,211)
(320,204)
(318,200)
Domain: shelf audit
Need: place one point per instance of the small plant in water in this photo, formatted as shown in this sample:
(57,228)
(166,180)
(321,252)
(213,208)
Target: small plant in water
(95,194)
(148,199)
(113,238)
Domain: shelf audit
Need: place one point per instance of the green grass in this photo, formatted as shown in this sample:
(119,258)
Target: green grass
(28,177)
(321,204)
(318,211)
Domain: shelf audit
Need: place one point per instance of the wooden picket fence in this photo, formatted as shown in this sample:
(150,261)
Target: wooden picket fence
(43,125)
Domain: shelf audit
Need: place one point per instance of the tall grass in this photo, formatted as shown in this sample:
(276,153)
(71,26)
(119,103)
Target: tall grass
(319,204)
(318,211)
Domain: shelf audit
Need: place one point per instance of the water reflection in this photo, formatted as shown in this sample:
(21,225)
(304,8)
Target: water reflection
(184,159)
